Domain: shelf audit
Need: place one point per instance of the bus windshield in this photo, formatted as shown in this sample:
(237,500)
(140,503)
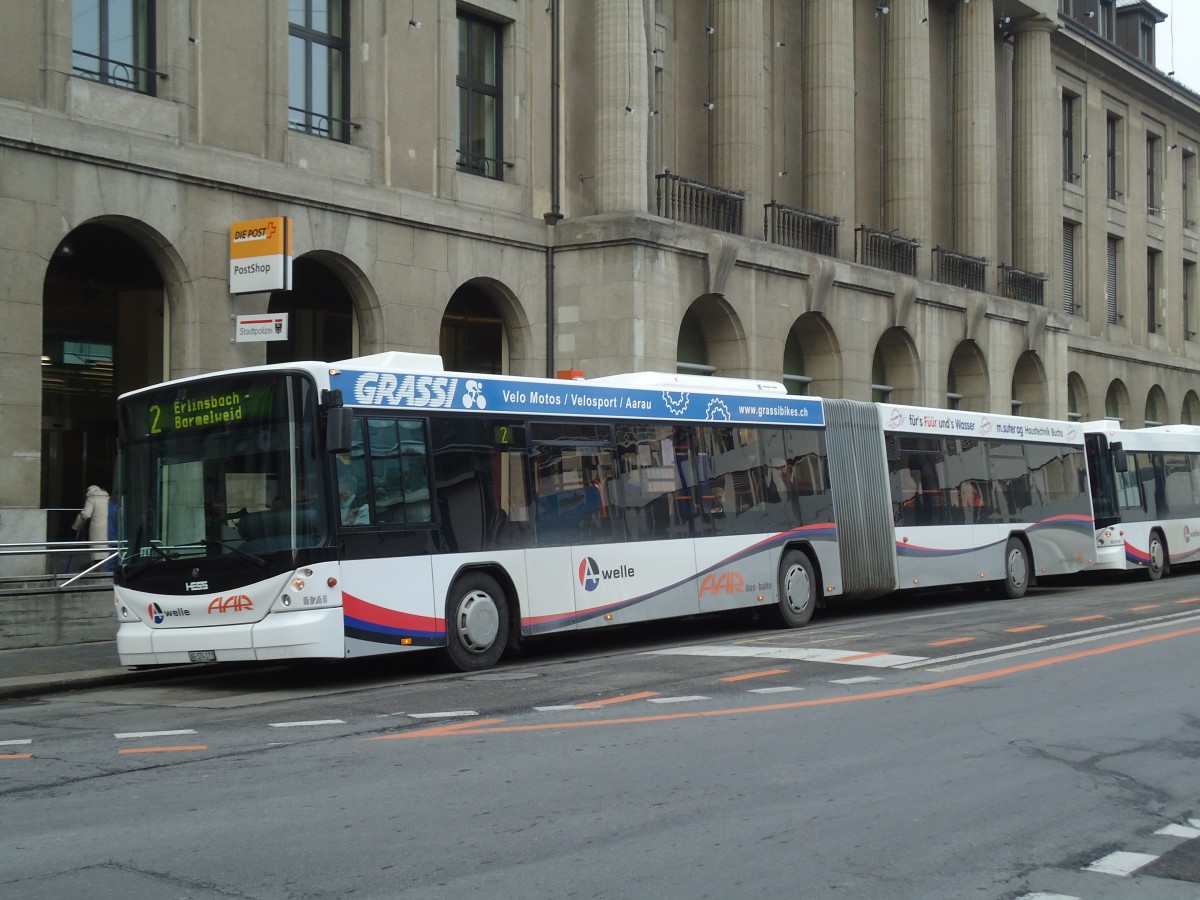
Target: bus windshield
(220,467)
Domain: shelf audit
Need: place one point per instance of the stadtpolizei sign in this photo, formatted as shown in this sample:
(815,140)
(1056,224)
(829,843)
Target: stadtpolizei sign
(260,256)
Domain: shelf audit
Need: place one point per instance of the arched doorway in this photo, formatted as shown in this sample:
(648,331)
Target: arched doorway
(1077,398)
(473,337)
(1191,409)
(1156,407)
(1029,395)
(711,340)
(967,379)
(894,369)
(104,331)
(1116,401)
(322,323)
(811,364)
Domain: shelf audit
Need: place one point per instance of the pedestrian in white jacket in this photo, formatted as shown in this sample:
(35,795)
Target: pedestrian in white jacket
(95,514)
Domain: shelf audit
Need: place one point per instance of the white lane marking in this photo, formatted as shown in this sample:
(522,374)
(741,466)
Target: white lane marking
(1121,863)
(676,699)
(1024,648)
(146,734)
(860,680)
(775,690)
(1182,831)
(303,724)
(1041,895)
(452,714)
(563,708)
(14,743)
(810,654)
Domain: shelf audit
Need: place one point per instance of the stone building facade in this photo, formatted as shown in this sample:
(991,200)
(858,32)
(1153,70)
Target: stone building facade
(983,204)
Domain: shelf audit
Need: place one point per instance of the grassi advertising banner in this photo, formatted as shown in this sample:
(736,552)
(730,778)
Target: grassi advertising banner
(260,256)
(477,393)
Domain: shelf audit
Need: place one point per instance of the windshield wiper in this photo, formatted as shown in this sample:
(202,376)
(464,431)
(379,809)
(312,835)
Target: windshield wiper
(234,548)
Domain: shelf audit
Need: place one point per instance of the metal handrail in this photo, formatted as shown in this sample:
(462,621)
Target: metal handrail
(696,203)
(800,229)
(1017,284)
(886,250)
(959,269)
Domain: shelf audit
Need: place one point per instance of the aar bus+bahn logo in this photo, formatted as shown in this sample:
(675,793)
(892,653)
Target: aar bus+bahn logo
(590,573)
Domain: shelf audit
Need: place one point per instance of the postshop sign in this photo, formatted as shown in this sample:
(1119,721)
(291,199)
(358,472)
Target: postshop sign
(260,256)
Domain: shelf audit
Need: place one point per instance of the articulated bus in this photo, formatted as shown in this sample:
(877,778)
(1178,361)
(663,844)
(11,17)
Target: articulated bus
(381,504)
(1145,485)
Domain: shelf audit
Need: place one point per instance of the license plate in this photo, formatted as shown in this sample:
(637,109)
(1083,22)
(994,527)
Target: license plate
(202,655)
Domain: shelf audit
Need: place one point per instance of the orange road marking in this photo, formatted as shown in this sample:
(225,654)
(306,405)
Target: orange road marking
(803,704)
(1024,628)
(763,674)
(440,730)
(129,750)
(948,642)
(1193,600)
(1089,618)
(593,704)
(1143,608)
(16,756)
(857,656)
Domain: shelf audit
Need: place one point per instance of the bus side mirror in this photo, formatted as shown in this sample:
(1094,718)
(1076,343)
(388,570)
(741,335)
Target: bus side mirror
(1120,460)
(338,429)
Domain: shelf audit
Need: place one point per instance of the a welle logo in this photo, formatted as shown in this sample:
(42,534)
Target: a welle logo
(160,615)
(590,573)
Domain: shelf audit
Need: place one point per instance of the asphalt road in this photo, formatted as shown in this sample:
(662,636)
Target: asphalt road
(915,747)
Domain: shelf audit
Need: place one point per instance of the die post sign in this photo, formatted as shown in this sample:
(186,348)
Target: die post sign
(260,256)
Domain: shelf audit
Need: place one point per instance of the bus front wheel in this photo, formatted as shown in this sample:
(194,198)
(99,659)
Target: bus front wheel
(797,590)
(1016,570)
(1157,552)
(476,623)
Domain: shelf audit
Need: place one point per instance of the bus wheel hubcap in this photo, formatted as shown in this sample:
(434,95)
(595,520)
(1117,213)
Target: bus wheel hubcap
(797,588)
(478,621)
(1016,568)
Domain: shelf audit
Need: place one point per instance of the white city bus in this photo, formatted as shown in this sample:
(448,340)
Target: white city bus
(382,504)
(1145,485)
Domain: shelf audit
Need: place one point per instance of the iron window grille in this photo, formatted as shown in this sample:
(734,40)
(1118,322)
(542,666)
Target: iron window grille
(480,98)
(319,68)
(113,43)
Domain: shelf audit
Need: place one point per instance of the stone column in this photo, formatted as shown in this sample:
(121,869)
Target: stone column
(828,111)
(1035,148)
(622,106)
(975,178)
(906,127)
(738,146)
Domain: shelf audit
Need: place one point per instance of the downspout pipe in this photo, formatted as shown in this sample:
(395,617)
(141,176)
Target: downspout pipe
(555,215)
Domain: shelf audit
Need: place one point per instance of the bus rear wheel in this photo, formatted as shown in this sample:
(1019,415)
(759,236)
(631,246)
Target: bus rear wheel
(477,623)
(1157,553)
(797,590)
(1016,570)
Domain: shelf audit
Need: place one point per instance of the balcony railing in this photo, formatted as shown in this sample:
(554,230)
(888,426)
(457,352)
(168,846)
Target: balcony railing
(697,203)
(959,269)
(886,250)
(1028,287)
(800,229)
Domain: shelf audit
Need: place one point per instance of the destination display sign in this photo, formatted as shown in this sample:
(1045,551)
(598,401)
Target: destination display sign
(478,393)
(209,408)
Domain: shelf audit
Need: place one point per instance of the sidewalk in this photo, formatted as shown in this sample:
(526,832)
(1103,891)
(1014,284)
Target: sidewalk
(45,670)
